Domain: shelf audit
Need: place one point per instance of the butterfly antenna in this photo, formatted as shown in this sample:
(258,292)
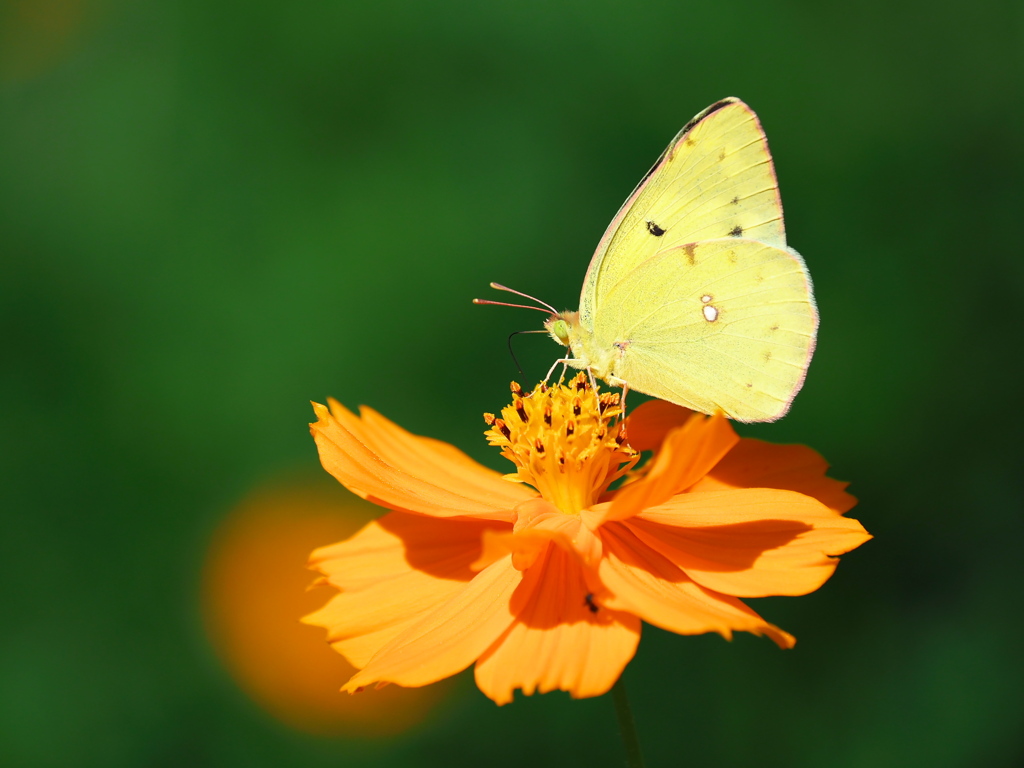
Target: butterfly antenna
(544,307)
(506,304)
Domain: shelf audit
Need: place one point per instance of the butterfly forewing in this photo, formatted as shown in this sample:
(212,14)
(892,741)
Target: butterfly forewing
(716,179)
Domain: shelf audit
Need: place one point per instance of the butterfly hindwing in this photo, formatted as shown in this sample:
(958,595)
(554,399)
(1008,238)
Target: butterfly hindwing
(726,324)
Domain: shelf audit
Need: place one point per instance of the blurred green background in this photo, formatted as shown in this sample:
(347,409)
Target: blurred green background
(214,211)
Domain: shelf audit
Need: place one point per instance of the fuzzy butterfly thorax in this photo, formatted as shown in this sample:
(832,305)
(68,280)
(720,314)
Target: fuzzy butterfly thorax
(566,329)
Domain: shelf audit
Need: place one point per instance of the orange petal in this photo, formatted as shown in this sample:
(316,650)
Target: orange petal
(568,531)
(524,546)
(757,464)
(383,463)
(557,642)
(650,422)
(541,523)
(646,584)
(391,573)
(687,454)
(449,638)
(532,510)
(752,542)
(359,640)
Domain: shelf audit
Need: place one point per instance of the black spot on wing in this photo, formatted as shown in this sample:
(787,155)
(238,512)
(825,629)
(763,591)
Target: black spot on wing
(736,231)
(654,229)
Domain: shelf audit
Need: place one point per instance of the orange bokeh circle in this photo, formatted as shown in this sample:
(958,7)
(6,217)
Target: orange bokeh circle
(255,590)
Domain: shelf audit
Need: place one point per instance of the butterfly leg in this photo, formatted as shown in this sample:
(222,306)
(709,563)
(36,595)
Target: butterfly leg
(565,363)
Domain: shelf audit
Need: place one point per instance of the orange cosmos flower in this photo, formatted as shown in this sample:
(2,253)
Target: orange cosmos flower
(543,582)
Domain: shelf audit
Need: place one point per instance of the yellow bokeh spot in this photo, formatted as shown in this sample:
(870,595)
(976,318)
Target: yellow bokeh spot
(256,588)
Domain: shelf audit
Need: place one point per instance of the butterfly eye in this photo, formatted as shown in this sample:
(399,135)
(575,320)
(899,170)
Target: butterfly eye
(560,330)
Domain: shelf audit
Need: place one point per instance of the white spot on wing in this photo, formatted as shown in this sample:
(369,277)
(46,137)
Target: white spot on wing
(706,298)
(710,313)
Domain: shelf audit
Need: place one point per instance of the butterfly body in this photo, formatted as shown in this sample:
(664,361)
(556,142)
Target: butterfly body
(693,295)
(587,354)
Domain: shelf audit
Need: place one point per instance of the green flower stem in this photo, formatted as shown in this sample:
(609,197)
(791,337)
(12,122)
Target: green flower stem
(634,756)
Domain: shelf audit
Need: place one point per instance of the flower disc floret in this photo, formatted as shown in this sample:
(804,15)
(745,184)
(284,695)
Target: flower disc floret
(568,442)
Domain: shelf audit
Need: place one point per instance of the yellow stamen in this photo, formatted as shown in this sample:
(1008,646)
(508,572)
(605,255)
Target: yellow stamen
(566,441)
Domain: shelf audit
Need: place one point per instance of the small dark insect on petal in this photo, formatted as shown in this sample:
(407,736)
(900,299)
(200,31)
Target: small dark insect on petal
(589,600)
(654,229)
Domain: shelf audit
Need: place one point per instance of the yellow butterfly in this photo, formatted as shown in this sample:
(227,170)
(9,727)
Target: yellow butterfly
(693,295)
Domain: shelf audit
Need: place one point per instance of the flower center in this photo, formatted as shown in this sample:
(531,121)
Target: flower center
(567,441)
